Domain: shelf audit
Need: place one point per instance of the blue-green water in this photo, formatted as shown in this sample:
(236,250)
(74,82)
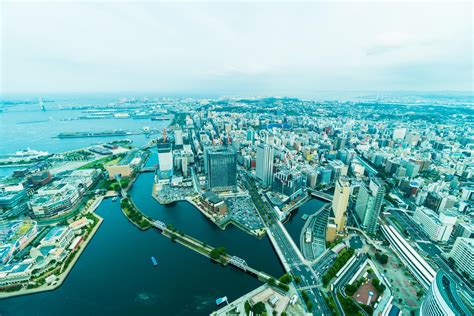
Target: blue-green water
(114,275)
(185,217)
(40,136)
(295,223)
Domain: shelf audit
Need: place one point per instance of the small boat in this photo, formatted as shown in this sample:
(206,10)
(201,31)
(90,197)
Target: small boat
(221,300)
(114,199)
(153,260)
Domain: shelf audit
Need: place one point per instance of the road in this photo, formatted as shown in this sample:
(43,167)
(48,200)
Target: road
(309,278)
(344,279)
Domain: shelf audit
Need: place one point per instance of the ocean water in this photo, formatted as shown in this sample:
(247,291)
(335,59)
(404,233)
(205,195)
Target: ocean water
(24,125)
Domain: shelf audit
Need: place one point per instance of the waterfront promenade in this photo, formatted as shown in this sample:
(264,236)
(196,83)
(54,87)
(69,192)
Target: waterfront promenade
(197,245)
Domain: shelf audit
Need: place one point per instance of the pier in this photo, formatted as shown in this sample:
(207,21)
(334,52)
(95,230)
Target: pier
(316,223)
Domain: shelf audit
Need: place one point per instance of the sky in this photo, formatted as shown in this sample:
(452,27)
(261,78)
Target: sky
(263,48)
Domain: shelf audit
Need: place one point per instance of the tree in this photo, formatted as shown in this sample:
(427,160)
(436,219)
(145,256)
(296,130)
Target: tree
(285,278)
(382,258)
(271,281)
(173,237)
(247,307)
(259,308)
(297,279)
(216,253)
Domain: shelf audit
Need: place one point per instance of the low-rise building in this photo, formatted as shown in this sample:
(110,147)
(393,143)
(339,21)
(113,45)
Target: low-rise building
(58,236)
(437,226)
(53,201)
(12,203)
(214,203)
(126,167)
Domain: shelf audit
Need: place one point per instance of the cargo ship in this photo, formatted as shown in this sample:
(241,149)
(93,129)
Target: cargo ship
(161,117)
(153,260)
(97,134)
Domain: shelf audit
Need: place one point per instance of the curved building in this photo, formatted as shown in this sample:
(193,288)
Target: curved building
(442,298)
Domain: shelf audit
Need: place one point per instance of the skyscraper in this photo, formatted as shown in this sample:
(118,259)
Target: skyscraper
(165,159)
(340,202)
(368,204)
(264,166)
(221,169)
(178,137)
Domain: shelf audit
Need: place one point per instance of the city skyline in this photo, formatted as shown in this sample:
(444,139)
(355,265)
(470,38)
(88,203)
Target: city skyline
(245,158)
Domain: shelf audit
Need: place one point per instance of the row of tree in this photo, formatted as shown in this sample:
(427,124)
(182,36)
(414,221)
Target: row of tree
(341,260)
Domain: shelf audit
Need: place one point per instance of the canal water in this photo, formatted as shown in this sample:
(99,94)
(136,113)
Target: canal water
(295,223)
(186,218)
(115,276)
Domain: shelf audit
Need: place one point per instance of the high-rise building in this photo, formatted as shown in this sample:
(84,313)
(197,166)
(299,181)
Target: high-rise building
(464,229)
(463,255)
(399,133)
(368,204)
(165,159)
(221,169)
(264,166)
(289,182)
(340,143)
(340,202)
(338,169)
(324,175)
(178,137)
(251,135)
(442,298)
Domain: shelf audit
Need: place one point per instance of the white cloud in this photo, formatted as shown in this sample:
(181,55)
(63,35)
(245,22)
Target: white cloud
(297,48)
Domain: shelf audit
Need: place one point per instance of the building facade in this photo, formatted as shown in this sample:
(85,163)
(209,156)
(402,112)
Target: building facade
(437,226)
(264,166)
(340,202)
(165,159)
(368,205)
(463,255)
(442,298)
(221,169)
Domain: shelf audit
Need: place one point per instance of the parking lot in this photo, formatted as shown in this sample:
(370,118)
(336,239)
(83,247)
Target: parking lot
(242,211)
(170,194)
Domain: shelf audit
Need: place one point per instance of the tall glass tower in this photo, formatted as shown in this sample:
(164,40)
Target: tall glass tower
(221,167)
